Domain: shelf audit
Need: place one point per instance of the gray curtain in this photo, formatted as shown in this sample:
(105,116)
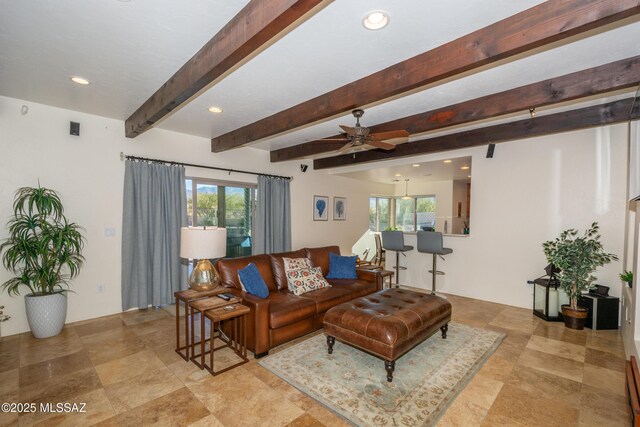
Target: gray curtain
(273,216)
(154,209)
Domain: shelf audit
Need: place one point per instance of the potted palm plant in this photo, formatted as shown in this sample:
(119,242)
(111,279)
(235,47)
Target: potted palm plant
(577,256)
(44,251)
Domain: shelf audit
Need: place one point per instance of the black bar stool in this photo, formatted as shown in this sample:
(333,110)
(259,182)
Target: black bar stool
(430,242)
(394,241)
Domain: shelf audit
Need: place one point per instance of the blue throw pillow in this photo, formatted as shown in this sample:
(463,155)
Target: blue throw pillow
(342,267)
(253,281)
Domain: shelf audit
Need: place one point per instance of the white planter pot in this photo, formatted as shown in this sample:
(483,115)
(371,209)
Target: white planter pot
(46,314)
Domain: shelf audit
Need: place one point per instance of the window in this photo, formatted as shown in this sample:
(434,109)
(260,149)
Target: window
(379,213)
(228,205)
(409,214)
(405,213)
(426,213)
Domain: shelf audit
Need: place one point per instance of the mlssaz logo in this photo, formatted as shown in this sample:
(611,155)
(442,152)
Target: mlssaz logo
(63,407)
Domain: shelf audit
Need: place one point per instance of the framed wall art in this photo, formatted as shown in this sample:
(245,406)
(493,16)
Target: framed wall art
(339,208)
(320,208)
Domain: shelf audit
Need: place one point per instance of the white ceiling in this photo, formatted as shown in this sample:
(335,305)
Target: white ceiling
(421,172)
(129,49)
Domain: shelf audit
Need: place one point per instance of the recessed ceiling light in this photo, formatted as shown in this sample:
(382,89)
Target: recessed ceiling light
(447,161)
(398,174)
(464,168)
(376,20)
(416,165)
(79,80)
(215,109)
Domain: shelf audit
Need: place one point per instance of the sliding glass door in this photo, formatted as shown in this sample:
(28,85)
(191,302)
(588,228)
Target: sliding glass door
(229,205)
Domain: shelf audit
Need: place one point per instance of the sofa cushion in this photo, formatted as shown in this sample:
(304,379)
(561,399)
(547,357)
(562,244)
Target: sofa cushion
(252,282)
(277,266)
(296,264)
(326,298)
(305,280)
(320,257)
(342,267)
(286,308)
(228,269)
(357,287)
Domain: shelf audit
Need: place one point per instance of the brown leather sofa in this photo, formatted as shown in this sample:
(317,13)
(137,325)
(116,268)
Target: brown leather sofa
(283,316)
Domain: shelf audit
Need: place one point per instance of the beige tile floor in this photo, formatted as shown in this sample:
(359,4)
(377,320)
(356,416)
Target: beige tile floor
(126,371)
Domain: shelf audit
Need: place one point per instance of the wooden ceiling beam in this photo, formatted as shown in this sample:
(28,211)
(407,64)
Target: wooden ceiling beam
(549,22)
(605,78)
(255,27)
(604,114)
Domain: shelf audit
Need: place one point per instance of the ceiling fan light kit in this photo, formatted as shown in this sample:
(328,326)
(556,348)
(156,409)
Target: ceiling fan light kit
(358,136)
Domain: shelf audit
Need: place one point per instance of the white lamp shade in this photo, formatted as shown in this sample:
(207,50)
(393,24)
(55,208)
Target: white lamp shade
(203,242)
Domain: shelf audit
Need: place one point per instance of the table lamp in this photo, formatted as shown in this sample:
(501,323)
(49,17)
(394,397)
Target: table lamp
(202,244)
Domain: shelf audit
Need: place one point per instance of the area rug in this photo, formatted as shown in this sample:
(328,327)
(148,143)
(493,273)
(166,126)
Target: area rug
(353,383)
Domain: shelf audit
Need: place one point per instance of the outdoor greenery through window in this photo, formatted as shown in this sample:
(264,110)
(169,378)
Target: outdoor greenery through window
(379,213)
(402,213)
(211,203)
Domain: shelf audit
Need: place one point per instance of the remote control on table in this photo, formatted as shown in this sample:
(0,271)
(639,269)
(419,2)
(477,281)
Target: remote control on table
(224,297)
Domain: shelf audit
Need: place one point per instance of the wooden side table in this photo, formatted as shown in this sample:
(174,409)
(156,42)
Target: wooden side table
(185,297)
(385,274)
(238,335)
(378,269)
(201,306)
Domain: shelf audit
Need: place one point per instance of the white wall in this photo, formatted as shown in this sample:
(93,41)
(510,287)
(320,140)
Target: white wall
(528,193)
(88,173)
(310,233)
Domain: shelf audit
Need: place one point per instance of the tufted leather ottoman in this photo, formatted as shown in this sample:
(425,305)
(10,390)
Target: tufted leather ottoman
(387,323)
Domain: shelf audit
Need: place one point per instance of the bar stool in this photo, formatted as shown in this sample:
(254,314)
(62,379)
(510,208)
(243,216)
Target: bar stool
(394,241)
(430,242)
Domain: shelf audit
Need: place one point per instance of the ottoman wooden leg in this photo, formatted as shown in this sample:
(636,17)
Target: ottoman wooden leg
(389,366)
(330,342)
(444,330)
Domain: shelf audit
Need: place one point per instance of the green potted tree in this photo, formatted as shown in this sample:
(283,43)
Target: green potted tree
(577,257)
(44,251)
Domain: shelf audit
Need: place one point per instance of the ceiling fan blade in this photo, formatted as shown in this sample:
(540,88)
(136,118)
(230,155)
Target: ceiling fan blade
(349,130)
(335,139)
(379,144)
(346,147)
(390,135)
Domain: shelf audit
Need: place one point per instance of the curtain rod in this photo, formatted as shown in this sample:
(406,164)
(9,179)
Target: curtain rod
(144,159)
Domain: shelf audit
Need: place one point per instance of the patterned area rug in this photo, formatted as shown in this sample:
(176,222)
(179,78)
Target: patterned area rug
(353,383)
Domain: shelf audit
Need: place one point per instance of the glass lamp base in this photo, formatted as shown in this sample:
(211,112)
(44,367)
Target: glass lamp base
(204,276)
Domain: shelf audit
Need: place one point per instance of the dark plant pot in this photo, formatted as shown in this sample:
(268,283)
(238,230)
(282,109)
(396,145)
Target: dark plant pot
(574,319)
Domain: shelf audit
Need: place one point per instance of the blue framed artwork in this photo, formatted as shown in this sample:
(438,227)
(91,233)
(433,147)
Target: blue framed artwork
(320,208)
(339,208)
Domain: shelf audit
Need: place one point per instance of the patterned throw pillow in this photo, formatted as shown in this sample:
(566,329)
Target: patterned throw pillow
(296,263)
(305,280)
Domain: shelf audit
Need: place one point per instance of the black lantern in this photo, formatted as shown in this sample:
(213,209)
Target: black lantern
(548,298)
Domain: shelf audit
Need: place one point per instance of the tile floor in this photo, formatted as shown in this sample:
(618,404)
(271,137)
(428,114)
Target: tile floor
(126,371)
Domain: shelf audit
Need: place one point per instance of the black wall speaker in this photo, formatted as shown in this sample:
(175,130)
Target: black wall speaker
(490,151)
(74,128)
(303,168)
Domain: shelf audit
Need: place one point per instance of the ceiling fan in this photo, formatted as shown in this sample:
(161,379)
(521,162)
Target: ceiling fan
(359,136)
